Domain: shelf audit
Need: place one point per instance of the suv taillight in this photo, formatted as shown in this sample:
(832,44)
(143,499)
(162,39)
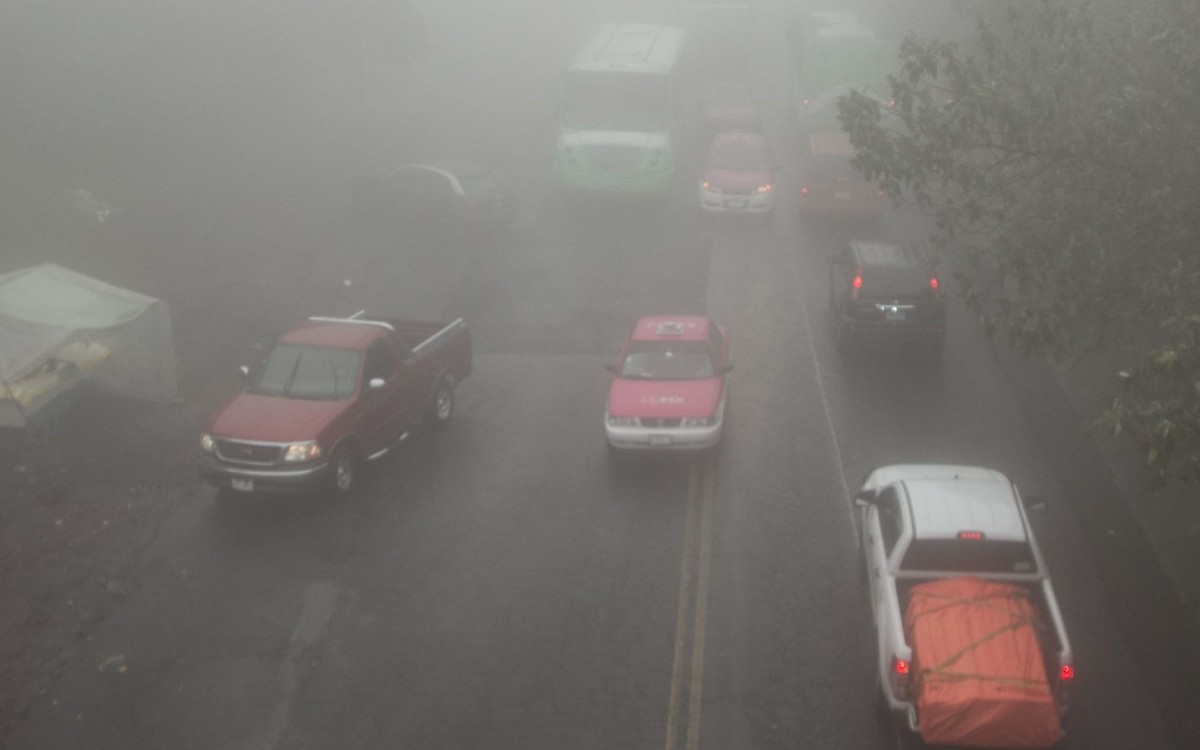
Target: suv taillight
(855,286)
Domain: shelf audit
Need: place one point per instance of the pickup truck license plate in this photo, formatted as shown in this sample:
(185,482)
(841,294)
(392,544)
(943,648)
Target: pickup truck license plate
(243,485)
(660,440)
(842,195)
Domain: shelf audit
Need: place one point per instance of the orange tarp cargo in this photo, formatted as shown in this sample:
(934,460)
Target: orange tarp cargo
(980,678)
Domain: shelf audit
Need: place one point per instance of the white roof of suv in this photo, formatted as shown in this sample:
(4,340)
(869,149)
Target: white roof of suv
(946,500)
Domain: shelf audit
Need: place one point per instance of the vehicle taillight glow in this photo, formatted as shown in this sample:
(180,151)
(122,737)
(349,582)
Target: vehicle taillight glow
(855,286)
(804,190)
(901,666)
(933,283)
(971,535)
(1066,673)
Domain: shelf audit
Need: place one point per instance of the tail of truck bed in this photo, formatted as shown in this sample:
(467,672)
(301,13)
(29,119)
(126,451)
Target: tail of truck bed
(980,660)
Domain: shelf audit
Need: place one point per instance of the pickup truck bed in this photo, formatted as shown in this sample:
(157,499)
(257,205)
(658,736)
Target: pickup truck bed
(980,664)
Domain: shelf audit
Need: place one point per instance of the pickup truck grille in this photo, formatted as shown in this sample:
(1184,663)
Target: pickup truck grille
(237,452)
(660,422)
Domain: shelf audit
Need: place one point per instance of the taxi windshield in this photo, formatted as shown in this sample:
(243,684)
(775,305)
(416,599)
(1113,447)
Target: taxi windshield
(738,155)
(668,360)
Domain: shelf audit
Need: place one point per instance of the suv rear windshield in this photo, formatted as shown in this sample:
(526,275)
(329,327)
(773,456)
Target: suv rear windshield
(969,556)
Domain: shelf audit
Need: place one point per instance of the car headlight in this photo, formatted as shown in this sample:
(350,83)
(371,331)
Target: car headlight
(622,421)
(763,189)
(696,422)
(306,451)
(207,443)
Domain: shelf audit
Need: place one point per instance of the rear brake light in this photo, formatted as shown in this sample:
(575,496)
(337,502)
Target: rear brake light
(1066,673)
(933,283)
(971,535)
(901,679)
(804,190)
(855,286)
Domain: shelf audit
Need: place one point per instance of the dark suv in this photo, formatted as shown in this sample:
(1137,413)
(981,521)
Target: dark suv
(881,292)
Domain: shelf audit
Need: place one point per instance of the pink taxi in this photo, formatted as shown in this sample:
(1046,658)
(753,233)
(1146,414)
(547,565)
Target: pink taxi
(670,389)
(739,175)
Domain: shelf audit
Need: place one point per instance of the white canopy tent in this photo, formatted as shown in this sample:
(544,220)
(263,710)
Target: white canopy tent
(59,328)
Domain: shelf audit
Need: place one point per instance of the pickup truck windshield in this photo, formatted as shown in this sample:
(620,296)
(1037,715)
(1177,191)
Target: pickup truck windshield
(668,360)
(310,372)
(969,556)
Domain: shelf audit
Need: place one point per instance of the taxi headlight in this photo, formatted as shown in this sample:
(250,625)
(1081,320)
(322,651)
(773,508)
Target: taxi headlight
(761,189)
(297,452)
(207,443)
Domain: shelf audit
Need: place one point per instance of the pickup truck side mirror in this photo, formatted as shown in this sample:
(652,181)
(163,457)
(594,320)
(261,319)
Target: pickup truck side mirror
(611,368)
(1035,503)
(244,371)
(864,498)
(375,384)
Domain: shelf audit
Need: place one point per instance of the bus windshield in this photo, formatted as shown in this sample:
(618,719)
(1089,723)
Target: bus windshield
(635,102)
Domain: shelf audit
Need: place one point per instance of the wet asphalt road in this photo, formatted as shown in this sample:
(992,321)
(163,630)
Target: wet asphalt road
(500,584)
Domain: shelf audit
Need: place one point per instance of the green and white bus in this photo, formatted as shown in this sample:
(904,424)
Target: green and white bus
(619,115)
(831,52)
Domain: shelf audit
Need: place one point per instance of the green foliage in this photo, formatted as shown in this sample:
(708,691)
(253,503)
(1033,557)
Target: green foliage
(1057,152)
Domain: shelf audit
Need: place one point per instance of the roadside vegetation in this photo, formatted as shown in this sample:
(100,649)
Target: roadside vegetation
(1056,150)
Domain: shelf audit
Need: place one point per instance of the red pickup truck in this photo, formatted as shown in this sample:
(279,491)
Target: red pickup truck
(331,394)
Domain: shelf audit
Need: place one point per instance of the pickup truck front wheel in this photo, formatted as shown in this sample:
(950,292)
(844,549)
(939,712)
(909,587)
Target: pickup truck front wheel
(343,473)
(441,408)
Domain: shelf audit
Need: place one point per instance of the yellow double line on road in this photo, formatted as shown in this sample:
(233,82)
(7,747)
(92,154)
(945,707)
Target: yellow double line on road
(692,613)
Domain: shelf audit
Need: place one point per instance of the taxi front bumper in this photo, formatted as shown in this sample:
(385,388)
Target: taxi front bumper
(663,438)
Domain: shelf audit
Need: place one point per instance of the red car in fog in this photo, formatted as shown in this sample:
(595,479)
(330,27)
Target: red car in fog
(331,394)
(828,182)
(670,388)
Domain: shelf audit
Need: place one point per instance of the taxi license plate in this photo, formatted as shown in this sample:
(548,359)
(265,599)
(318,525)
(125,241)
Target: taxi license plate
(660,440)
(842,195)
(243,485)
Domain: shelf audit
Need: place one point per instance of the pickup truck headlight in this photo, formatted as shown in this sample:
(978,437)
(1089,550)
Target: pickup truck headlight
(297,452)
(697,422)
(207,443)
(622,421)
